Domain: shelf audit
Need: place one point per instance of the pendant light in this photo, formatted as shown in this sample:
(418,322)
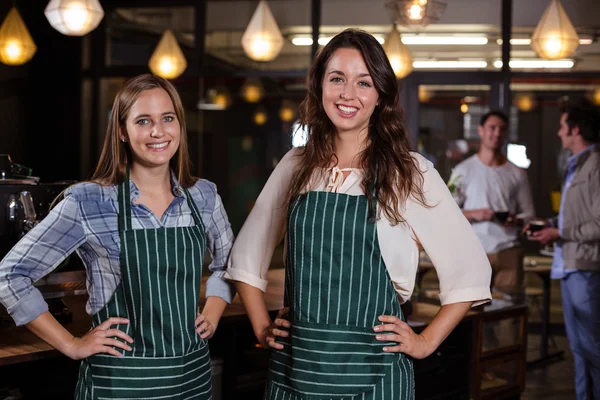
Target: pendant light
(252,91)
(262,40)
(167,60)
(398,54)
(260,116)
(16,45)
(525,102)
(554,37)
(287,111)
(219,96)
(74,17)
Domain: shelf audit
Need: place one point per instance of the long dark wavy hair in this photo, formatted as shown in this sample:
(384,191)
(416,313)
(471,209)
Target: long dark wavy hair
(388,166)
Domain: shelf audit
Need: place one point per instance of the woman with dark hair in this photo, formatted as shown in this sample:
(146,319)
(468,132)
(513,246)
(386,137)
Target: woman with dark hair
(352,203)
(141,227)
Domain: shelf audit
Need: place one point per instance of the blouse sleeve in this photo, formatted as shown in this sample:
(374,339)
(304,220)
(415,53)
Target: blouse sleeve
(263,230)
(462,266)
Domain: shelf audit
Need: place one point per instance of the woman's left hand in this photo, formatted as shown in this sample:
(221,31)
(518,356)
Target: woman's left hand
(204,327)
(409,343)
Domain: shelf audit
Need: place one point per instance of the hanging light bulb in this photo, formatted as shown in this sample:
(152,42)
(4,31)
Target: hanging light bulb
(74,17)
(287,111)
(595,97)
(16,45)
(554,37)
(252,90)
(167,60)
(464,108)
(219,96)
(260,116)
(398,54)
(525,102)
(424,94)
(262,40)
(416,9)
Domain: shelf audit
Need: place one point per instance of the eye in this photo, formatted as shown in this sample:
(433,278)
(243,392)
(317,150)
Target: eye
(335,79)
(365,84)
(142,121)
(169,118)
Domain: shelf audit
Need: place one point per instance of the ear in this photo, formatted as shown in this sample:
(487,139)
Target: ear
(480,131)
(122,137)
(574,131)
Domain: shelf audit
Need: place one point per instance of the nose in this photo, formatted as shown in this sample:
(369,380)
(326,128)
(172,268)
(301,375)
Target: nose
(157,131)
(347,92)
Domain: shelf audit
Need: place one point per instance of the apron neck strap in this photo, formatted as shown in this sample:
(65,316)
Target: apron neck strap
(124,200)
(124,197)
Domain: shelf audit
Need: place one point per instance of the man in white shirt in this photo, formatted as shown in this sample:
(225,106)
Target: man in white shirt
(495,194)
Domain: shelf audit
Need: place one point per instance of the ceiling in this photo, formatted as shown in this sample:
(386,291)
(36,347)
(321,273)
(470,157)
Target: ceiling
(226,21)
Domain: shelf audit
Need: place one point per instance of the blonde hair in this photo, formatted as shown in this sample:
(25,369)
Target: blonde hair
(116,155)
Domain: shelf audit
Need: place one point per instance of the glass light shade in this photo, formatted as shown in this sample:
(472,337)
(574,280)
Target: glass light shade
(252,91)
(16,45)
(464,108)
(262,40)
(260,117)
(74,17)
(167,60)
(416,12)
(398,54)
(554,37)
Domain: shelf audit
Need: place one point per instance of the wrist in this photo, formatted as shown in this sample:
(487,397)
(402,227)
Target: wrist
(69,347)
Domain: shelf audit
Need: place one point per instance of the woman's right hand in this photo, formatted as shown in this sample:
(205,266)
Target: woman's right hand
(268,336)
(100,340)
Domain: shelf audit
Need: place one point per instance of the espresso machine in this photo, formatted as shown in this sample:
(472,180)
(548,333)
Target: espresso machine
(24,202)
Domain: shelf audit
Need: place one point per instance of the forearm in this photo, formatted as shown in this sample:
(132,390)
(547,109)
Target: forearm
(444,322)
(47,328)
(213,309)
(255,306)
(585,232)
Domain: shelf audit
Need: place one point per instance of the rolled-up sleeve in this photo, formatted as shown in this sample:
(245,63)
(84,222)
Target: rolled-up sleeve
(37,254)
(263,230)
(462,266)
(220,241)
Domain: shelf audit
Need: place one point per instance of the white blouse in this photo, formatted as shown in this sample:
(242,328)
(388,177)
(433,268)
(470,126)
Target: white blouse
(462,266)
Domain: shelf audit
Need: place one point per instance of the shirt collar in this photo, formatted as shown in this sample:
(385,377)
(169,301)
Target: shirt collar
(573,159)
(177,191)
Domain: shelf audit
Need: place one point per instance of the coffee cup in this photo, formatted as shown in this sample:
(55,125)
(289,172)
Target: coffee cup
(501,216)
(535,226)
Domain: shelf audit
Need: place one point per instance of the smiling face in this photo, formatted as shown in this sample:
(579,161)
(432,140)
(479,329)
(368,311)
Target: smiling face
(493,133)
(349,96)
(153,130)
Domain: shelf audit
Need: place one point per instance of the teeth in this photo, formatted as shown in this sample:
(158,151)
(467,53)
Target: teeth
(158,146)
(347,109)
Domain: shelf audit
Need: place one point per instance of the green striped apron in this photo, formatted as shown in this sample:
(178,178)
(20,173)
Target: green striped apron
(161,273)
(336,286)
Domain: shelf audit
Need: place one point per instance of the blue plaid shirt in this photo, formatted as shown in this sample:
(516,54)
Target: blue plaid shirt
(558,263)
(86,221)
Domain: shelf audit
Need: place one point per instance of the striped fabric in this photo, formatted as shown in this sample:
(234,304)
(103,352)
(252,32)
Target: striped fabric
(159,295)
(336,287)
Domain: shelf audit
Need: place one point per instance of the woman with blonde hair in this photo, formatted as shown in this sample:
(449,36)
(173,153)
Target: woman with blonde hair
(351,204)
(141,226)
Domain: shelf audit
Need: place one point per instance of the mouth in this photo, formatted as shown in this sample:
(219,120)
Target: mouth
(158,146)
(346,111)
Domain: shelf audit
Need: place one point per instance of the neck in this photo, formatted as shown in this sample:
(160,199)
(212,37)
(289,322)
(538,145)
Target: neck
(151,180)
(347,146)
(493,158)
(578,147)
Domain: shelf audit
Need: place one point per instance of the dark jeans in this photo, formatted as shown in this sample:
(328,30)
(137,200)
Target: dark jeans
(581,304)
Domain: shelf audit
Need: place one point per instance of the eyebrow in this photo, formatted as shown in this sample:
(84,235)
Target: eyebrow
(335,71)
(148,115)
